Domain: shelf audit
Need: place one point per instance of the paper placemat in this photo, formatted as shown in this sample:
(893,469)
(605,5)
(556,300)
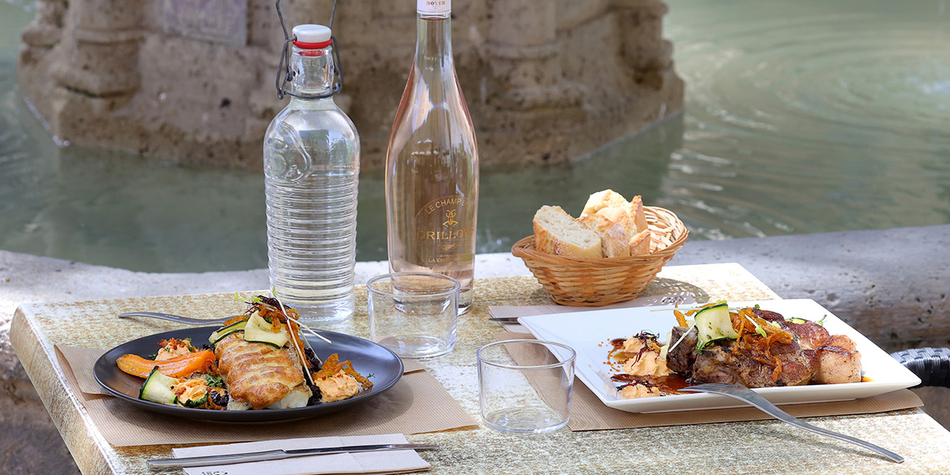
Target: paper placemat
(396,461)
(416,404)
(589,413)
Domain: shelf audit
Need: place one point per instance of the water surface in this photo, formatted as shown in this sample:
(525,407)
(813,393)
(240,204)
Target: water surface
(801,117)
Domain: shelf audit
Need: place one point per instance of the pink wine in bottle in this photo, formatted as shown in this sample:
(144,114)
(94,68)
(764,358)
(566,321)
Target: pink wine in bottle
(432,162)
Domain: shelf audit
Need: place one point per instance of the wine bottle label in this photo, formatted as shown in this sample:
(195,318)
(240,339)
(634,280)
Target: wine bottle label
(434,6)
(445,231)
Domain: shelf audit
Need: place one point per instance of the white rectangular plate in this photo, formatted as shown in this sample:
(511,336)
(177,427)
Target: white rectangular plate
(589,333)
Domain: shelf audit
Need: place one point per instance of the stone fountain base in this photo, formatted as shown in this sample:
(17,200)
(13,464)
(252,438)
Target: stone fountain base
(193,80)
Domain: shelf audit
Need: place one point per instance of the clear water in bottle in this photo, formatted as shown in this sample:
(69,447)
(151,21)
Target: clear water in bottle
(311,174)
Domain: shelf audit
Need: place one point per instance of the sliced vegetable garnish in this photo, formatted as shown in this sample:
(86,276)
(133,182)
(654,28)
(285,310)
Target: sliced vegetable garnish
(178,367)
(260,331)
(714,323)
(158,388)
(227,330)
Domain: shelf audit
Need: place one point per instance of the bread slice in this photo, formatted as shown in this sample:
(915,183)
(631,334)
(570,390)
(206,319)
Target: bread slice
(603,199)
(622,215)
(636,208)
(556,232)
(640,243)
(613,235)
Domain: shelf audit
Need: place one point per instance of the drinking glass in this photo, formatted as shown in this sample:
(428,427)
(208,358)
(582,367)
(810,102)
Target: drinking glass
(525,386)
(414,314)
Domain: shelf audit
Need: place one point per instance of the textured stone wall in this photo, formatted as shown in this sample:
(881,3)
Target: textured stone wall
(545,80)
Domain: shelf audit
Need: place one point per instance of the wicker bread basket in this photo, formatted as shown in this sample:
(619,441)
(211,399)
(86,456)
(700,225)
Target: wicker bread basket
(594,282)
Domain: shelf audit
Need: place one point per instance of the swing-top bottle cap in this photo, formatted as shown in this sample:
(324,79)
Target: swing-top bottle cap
(312,36)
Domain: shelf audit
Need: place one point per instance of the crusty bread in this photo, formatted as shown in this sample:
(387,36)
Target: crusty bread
(623,216)
(556,232)
(620,228)
(613,235)
(639,216)
(603,199)
(640,243)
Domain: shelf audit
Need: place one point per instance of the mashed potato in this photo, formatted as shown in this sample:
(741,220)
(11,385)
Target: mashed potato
(337,387)
(642,365)
(643,361)
(637,390)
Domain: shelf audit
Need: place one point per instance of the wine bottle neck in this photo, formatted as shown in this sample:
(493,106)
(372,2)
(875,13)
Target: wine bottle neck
(311,70)
(434,41)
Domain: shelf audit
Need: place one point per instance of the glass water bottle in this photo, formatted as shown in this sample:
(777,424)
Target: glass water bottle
(311,173)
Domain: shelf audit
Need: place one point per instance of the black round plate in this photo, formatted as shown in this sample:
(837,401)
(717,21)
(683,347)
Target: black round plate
(369,359)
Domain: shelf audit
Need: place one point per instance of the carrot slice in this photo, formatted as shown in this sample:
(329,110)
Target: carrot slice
(178,367)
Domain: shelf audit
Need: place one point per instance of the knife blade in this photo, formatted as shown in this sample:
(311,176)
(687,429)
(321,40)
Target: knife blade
(279,454)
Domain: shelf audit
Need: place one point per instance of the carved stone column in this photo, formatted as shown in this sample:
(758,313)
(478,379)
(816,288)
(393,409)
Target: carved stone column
(646,54)
(524,55)
(100,56)
(46,29)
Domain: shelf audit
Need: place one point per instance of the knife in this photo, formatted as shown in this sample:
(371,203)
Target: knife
(669,299)
(279,454)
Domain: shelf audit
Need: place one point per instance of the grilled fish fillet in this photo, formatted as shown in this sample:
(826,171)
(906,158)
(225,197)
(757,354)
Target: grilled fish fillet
(257,373)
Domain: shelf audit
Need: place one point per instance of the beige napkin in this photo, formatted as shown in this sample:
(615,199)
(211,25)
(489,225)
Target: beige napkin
(589,413)
(396,461)
(416,404)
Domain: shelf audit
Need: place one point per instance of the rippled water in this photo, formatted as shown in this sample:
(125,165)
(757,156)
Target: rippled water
(812,116)
(801,117)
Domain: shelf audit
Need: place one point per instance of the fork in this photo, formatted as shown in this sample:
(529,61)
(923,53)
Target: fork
(748,396)
(177,318)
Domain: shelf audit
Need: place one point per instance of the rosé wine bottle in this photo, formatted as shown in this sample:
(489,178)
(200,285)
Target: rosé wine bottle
(432,162)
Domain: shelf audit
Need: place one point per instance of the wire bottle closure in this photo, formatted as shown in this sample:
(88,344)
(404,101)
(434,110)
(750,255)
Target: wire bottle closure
(285,75)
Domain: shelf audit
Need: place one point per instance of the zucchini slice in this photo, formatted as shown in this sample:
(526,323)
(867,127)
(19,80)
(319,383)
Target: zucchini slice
(225,331)
(158,388)
(259,331)
(714,323)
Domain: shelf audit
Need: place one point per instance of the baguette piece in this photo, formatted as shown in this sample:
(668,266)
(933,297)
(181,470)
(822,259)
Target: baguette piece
(556,232)
(639,244)
(603,199)
(639,216)
(622,225)
(624,216)
(613,234)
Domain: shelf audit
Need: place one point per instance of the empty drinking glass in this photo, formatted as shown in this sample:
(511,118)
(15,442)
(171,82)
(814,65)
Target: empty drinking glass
(414,314)
(525,385)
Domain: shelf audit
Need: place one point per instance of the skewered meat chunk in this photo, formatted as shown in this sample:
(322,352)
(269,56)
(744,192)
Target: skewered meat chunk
(681,357)
(258,373)
(838,358)
(810,354)
(838,361)
(720,364)
(809,335)
(769,315)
